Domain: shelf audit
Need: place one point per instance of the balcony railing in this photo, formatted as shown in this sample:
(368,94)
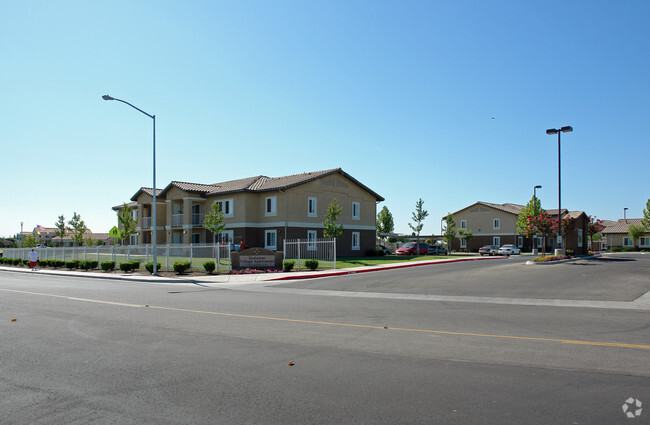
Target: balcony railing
(197,219)
(146,222)
(177,219)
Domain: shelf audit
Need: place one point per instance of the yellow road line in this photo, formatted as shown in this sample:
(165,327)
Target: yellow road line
(350,325)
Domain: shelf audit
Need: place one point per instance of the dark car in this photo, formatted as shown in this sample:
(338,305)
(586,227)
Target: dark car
(385,250)
(410,249)
(489,250)
(437,250)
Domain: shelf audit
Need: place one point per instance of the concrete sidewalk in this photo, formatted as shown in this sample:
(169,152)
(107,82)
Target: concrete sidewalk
(242,278)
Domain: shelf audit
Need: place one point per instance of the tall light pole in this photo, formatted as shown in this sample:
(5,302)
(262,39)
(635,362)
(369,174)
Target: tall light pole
(551,131)
(153,212)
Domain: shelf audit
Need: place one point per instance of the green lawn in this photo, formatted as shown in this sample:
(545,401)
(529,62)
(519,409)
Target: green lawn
(388,259)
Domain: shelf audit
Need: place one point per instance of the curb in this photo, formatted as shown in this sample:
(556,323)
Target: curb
(121,277)
(546,263)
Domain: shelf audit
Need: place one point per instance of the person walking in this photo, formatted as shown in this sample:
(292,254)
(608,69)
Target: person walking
(33,258)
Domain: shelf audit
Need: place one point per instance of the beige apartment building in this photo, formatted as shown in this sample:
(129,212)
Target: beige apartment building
(263,211)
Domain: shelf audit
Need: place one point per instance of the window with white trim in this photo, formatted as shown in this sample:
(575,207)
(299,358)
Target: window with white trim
(311,207)
(270,206)
(356,241)
(644,241)
(520,241)
(270,239)
(463,243)
(579,238)
(356,213)
(311,240)
(463,224)
(627,241)
(496,224)
(226,207)
(540,242)
(226,237)
(133,240)
(496,240)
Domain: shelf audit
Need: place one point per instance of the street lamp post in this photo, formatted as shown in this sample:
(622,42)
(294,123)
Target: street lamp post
(153,212)
(551,131)
(534,249)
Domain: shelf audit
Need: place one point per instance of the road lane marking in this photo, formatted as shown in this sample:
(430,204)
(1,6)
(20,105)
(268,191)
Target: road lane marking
(349,325)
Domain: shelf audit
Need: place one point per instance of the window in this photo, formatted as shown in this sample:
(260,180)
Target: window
(133,240)
(627,241)
(463,224)
(226,237)
(540,242)
(496,240)
(196,238)
(311,240)
(579,238)
(356,241)
(496,224)
(355,211)
(134,214)
(463,243)
(311,207)
(226,207)
(270,208)
(644,241)
(520,241)
(270,239)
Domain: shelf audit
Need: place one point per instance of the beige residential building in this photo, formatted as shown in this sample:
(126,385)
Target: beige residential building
(263,211)
(615,235)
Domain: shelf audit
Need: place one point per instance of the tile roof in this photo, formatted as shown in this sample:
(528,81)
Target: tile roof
(621,226)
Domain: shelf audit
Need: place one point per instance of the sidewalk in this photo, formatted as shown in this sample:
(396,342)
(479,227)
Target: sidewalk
(242,278)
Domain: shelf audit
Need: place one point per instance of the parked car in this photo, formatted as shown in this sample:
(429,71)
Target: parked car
(509,250)
(488,250)
(409,248)
(386,251)
(437,250)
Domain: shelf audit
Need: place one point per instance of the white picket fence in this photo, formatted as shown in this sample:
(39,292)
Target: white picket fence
(167,255)
(299,250)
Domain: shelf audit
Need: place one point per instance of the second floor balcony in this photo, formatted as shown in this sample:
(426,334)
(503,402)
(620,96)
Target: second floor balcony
(146,222)
(177,219)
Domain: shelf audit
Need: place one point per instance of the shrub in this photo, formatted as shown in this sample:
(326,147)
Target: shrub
(74,264)
(17,261)
(311,264)
(107,265)
(209,266)
(149,266)
(379,252)
(25,262)
(569,252)
(128,266)
(287,265)
(88,265)
(181,266)
(57,263)
(372,252)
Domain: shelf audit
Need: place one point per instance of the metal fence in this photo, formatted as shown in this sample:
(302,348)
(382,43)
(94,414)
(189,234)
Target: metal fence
(167,255)
(299,250)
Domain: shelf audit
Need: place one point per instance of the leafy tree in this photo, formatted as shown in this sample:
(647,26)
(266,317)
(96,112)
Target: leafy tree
(466,234)
(645,221)
(532,208)
(449,231)
(594,228)
(541,224)
(29,241)
(77,227)
(635,232)
(213,221)
(385,223)
(333,230)
(418,217)
(90,241)
(127,221)
(61,228)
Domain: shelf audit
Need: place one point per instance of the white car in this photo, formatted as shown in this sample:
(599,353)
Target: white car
(509,250)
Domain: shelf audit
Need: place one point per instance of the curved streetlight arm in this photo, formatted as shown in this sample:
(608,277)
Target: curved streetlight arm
(107,97)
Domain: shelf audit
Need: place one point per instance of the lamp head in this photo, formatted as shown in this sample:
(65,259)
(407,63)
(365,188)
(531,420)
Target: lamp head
(107,97)
(538,187)
(566,129)
(551,131)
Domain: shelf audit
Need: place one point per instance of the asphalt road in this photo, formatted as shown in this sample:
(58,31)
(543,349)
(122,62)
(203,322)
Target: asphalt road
(101,351)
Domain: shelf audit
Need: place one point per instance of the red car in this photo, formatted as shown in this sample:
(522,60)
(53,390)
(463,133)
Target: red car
(410,249)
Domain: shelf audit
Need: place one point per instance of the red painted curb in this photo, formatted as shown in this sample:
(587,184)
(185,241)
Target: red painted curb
(397,266)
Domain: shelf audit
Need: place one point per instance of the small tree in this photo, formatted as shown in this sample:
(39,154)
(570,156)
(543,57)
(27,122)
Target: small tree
(418,217)
(29,241)
(385,223)
(90,241)
(61,228)
(645,221)
(213,221)
(594,228)
(333,230)
(635,232)
(127,221)
(466,234)
(541,224)
(449,231)
(77,228)
(532,208)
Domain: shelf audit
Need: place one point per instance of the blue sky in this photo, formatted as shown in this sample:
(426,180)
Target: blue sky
(444,101)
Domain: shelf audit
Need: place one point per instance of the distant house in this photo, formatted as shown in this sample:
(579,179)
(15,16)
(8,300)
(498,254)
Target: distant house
(263,211)
(496,224)
(615,235)
(46,236)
